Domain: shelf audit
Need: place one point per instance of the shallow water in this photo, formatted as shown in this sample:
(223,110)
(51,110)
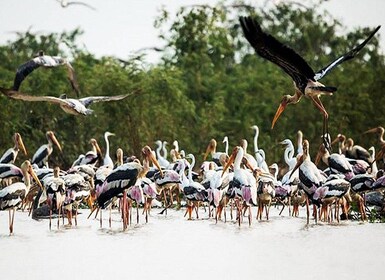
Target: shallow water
(170,247)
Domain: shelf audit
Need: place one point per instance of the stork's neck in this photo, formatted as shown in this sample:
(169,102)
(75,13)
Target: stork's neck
(190,169)
(256,139)
(299,142)
(289,153)
(381,137)
(107,145)
(158,149)
(226,141)
(293,99)
(238,159)
(164,149)
(27,180)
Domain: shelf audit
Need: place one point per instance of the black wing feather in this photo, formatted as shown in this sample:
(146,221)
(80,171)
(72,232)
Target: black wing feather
(270,48)
(347,56)
(23,71)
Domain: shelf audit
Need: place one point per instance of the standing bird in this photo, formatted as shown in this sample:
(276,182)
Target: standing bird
(10,155)
(306,81)
(309,175)
(243,186)
(91,157)
(69,105)
(107,159)
(40,158)
(211,149)
(122,178)
(13,195)
(46,61)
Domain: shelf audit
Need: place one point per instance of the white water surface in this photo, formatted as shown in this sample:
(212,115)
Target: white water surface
(171,247)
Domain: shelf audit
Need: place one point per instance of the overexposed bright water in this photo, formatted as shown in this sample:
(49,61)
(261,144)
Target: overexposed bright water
(170,247)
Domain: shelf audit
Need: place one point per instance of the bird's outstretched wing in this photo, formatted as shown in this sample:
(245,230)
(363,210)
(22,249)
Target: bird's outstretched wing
(270,48)
(349,55)
(22,96)
(80,3)
(86,101)
(72,78)
(23,71)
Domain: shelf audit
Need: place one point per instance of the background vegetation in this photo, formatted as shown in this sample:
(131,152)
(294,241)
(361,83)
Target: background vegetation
(208,84)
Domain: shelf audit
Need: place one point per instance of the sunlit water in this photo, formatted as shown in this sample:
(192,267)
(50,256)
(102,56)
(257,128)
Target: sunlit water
(170,247)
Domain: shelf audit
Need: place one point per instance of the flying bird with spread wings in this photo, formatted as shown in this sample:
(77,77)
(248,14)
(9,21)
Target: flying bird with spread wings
(69,105)
(305,79)
(65,4)
(46,61)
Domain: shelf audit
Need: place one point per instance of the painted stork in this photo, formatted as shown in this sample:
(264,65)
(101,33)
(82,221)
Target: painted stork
(66,4)
(194,192)
(107,159)
(13,195)
(243,186)
(211,149)
(56,189)
(309,175)
(337,163)
(251,160)
(91,157)
(123,177)
(69,105)
(40,158)
(305,79)
(331,192)
(8,170)
(46,61)
(10,155)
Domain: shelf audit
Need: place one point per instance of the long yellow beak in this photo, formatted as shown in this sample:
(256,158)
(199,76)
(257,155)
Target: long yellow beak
(299,162)
(372,130)
(56,142)
(280,110)
(34,176)
(229,162)
(20,145)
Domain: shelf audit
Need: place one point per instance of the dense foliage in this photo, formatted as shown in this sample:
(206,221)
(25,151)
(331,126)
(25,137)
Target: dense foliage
(208,84)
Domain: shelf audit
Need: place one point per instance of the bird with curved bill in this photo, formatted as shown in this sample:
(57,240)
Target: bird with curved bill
(69,105)
(305,79)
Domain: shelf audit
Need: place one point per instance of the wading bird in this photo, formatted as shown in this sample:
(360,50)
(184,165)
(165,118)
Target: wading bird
(40,158)
(69,105)
(13,195)
(10,155)
(305,79)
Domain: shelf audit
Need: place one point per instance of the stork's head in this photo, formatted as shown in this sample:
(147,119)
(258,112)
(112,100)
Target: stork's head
(52,138)
(19,143)
(210,148)
(149,155)
(26,167)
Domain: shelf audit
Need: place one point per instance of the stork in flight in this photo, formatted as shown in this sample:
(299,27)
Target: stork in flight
(69,105)
(46,61)
(65,4)
(305,79)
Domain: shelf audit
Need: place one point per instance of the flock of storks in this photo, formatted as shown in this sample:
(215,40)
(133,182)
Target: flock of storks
(236,179)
